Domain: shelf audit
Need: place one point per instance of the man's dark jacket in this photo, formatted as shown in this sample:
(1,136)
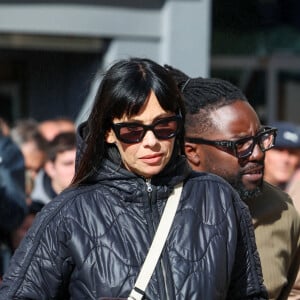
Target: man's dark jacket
(12,185)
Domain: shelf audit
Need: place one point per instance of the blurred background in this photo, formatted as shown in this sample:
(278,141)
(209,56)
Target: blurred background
(52,53)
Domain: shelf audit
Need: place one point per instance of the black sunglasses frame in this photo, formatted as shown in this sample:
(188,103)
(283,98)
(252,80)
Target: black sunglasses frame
(116,127)
(231,146)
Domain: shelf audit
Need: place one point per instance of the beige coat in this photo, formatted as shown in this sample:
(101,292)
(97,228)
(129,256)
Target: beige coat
(277,232)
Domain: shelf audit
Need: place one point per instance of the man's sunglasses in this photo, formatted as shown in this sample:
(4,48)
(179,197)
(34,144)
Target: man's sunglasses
(243,147)
(163,129)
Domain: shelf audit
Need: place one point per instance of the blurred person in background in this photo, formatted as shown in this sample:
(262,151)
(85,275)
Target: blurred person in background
(224,136)
(281,168)
(58,170)
(4,127)
(293,188)
(51,127)
(33,146)
(12,194)
(16,235)
(282,161)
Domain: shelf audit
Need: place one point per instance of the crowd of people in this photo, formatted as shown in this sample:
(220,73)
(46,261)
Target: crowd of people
(45,157)
(97,194)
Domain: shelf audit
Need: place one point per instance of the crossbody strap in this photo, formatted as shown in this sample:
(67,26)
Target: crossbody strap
(157,245)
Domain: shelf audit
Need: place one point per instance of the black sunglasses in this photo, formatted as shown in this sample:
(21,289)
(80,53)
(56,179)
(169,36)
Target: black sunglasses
(163,129)
(243,147)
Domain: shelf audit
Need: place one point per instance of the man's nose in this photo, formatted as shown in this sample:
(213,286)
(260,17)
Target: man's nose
(257,153)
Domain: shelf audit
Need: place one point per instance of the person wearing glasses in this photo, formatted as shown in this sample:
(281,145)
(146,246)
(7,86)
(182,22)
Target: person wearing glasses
(91,241)
(224,136)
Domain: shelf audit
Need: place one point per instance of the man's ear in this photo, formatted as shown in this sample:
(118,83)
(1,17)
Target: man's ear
(192,154)
(49,168)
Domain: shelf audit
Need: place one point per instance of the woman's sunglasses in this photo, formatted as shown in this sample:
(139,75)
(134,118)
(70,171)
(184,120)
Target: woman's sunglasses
(163,129)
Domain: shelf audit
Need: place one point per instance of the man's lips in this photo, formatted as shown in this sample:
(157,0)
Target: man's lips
(255,173)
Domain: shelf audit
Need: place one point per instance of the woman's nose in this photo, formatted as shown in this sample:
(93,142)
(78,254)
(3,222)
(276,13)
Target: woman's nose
(150,138)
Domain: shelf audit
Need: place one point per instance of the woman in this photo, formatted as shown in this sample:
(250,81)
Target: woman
(91,241)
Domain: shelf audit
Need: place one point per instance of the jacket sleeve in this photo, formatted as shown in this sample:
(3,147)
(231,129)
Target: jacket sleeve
(247,278)
(40,265)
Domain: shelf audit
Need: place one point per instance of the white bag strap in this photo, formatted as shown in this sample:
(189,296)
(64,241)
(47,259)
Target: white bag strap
(157,245)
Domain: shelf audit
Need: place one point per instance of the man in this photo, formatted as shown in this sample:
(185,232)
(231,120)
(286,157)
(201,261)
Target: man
(281,168)
(293,188)
(32,145)
(17,235)
(224,136)
(52,127)
(58,170)
(282,161)
(12,195)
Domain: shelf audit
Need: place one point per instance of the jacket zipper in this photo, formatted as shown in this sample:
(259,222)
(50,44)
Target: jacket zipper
(162,268)
(149,188)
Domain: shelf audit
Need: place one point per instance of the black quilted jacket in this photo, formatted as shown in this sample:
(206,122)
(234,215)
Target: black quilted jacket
(90,242)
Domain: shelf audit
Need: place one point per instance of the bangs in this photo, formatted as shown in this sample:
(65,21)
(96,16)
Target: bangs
(130,100)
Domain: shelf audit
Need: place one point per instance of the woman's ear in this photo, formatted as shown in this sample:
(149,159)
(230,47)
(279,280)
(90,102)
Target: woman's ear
(192,154)
(110,137)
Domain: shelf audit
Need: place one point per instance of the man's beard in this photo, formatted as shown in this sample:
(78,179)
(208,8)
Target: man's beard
(243,192)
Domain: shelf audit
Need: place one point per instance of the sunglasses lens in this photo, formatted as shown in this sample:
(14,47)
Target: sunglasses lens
(163,129)
(244,148)
(265,141)
(166,129)
(131,134)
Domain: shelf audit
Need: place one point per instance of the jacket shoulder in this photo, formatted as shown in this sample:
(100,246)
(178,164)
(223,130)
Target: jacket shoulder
(213,182)
(273,204)
(274,191)
(213,190)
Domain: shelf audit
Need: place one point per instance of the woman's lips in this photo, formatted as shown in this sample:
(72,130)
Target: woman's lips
(152,158)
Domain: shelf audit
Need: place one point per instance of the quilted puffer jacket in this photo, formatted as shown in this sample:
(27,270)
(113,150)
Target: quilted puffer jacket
(90,242)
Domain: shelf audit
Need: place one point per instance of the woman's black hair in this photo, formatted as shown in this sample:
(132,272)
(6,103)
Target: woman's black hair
(124,89)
